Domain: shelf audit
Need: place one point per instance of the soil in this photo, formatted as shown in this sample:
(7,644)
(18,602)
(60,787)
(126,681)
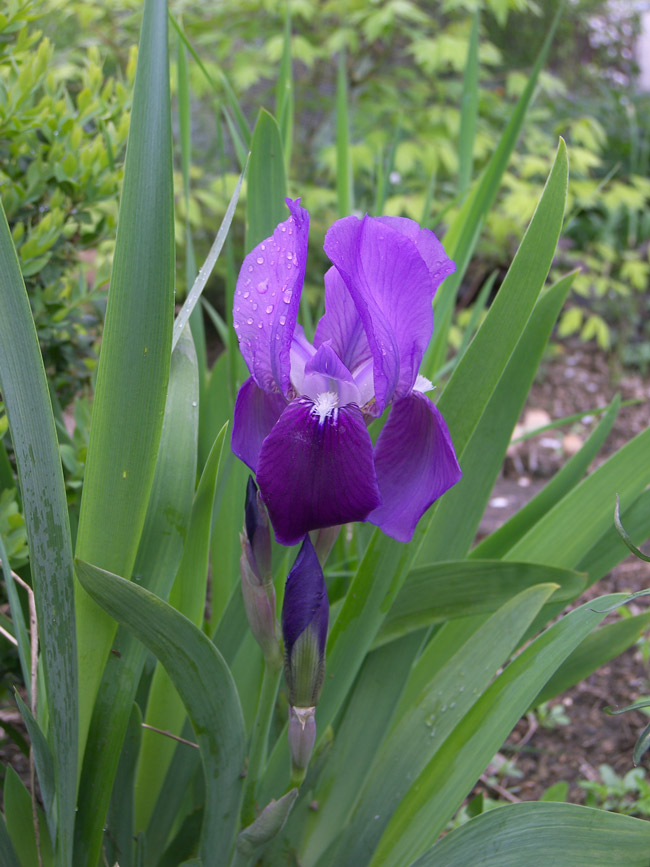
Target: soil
(578,378)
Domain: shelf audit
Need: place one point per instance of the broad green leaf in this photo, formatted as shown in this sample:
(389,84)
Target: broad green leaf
(183,844)
(566,533)
(546,835)
(432,718)
(267,183)
(458,514)
(468,391)
(25,394)
(119,833)
(7,852)
(206,688)
(6,474)
(43,762)
(358,737)
(469,108)
(159,553)
(344,179)
(597,649)
(164,708)
(439,790)
(463,234)
(135,355)
(497,543)
(445,591)
(20,824)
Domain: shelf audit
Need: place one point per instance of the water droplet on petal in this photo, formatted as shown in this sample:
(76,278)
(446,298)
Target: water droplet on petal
(260,260)
(269,309)
(250,268)
(262,246)
(246,294)
(289,254)
(259,324)
(249,321)
(287,296)
(283,319)
(262,287)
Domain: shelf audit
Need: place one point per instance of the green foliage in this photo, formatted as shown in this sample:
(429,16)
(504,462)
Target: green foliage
(629,794)
(436,648)
(62,134)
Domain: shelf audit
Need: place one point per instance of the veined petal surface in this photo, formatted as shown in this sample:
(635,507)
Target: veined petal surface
(267,299)
(415,464)
(429,247)
(256,411)
(316,470)
(391,287)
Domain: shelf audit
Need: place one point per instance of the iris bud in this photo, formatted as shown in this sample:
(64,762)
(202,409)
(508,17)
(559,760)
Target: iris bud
(305,616)
(256,577)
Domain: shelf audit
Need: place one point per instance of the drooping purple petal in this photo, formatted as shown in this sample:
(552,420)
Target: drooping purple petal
(325,372)
(256,411)
(305,600)
(341,323)
(391,288)
(429,247)
(267,298)
(316,469)
(415,463)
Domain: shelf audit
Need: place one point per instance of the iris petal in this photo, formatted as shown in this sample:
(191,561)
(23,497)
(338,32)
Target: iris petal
(316,471)
(429,247)
(256,411)
(267,298)
(391,287)
(341,324)
(415,463)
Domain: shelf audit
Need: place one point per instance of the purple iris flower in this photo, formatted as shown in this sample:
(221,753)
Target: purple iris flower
(301,418)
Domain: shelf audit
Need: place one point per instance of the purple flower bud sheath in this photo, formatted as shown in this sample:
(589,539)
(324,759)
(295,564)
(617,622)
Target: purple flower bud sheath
(305,618)
(301,418)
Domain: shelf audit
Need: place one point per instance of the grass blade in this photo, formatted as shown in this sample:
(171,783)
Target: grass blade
(206,687)
(135,355)
(267,182)
(469,108)
(25,393)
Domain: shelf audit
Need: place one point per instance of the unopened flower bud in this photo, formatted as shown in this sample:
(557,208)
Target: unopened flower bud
(305,615)
(302,736)
(258,533)
(258,591)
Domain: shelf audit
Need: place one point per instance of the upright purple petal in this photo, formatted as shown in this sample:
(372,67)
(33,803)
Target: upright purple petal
(325,372)
(429,247)
(256,411)
(341,324)
(316,470)
(415,463)
(267,298)
(391,288)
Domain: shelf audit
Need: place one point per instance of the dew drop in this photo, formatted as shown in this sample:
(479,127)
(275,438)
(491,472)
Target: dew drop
(246,294)
(269,309)
(254,306)
(236,326)
(193,403)
(289,254)
(283,319)
(287,296)
(260,260)
(262,246)
(249,321)
(263,287)
(250,268)
(259,324)
(283,228)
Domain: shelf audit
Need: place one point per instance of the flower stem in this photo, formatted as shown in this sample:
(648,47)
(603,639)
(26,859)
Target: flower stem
(259,739)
